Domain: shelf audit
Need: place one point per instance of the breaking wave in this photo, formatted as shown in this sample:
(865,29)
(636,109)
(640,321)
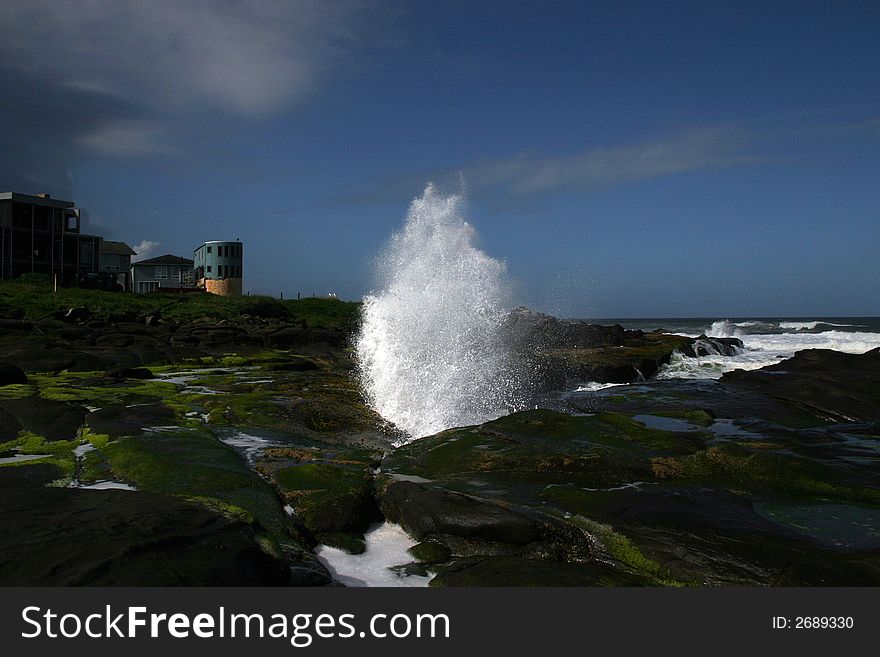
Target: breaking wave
(767,342)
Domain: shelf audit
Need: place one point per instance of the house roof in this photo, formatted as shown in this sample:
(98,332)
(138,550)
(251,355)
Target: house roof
(117,248)
(166,259)
(33,199)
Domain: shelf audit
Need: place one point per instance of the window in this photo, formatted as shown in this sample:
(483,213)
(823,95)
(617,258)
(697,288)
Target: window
(209,269)
(86,253)
(161,272)
(209,249)
(147,286)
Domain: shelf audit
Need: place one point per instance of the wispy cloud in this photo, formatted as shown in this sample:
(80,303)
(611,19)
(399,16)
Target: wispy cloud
(691,150)
(127,138)
(592,167)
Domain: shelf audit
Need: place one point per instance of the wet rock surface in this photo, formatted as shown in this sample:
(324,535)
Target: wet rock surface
(245,443)
(57,537)
(55,420)
(676,483)
(194,510)
(11,375)
(828,384)
(562,353)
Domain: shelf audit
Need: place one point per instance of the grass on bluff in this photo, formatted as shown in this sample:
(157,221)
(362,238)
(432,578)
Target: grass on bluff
(33,295)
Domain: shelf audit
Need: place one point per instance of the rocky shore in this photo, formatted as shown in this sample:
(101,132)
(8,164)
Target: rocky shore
(151,449)
(564,353)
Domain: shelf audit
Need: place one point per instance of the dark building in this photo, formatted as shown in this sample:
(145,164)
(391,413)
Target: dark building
(116,263)
(39,234)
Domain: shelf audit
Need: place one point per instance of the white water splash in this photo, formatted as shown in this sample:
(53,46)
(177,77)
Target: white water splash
(381,564)
(431,351)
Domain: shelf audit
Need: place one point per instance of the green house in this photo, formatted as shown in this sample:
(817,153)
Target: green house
(218,267)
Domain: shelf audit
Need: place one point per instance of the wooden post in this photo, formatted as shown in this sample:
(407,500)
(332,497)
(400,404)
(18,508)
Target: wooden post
(32,237)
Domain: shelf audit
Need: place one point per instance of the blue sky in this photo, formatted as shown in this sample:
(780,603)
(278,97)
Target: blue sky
(624,159)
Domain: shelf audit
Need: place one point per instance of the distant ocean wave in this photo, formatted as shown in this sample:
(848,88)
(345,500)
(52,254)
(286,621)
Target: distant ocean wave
(727,328)
(810,326)
(767,342)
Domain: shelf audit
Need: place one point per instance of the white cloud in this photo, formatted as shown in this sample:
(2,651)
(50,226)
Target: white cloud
(691,150)
(247,57)
(146,249)
(126,139)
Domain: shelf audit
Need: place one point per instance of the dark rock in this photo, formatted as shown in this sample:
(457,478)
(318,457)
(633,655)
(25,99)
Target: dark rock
(10,374)
(184,339)
(68,537)
(349,541)
(11,313)
(38,355)
(423,511)
(527,329)
(327,497)
(635,360)
(128,420)
(9,426)
(115,340)
(292,336)
(54,420)
(15,325)
(430,552)
(516,571)
(131,327)
(327,336)
(72,315)
(829,384)
(706,346)
(49,324)
(558,354)
(75,335)
(131,373)
(562,353)
(309,572)
(151,318)
(298,365)
(668,505)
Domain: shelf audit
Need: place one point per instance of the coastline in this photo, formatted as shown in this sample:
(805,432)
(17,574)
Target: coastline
(244,443)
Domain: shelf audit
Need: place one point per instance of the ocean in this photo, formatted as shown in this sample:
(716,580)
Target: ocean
(766,340)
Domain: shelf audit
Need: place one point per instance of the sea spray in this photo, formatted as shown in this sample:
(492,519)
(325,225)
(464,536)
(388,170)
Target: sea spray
(430,350)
